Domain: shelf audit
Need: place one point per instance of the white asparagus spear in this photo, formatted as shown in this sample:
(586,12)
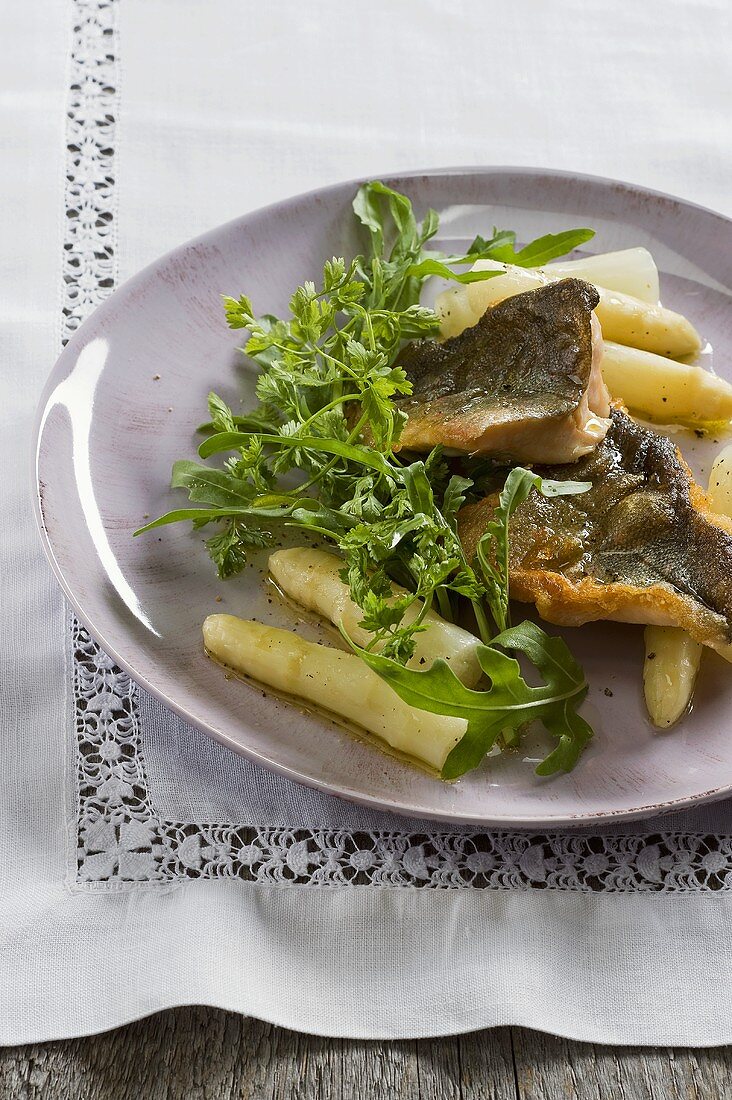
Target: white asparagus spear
(720,482)
(631,271)
(624,319)
(664,390)
(310,578)
(669,673)
(672,657)
(333,680)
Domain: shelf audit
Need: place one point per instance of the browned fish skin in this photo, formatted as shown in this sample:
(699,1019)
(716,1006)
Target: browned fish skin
(523,384)
(640,546)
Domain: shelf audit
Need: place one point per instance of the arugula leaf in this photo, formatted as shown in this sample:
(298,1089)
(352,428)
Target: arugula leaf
(241,423)
(436,267)
(211,486)
(285,508)
(553,659)
(543,249)
(454,498)
(509,703)
(198,516)
(481,248)
(222,419)
(368,209)
(492,549)
(396,243)
(356,452)
(501,248)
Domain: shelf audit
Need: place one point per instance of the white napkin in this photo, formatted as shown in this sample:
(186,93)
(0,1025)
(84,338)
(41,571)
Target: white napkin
(184,115)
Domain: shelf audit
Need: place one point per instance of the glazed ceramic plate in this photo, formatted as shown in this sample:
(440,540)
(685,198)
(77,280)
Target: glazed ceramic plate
(124,399)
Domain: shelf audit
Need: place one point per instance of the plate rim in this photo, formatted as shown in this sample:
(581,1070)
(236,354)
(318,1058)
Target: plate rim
(379,803)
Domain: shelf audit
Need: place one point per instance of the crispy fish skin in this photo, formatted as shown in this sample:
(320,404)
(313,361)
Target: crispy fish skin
(523,384)
(641,546)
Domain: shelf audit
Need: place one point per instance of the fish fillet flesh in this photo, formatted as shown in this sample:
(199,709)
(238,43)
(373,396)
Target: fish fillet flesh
(641,546)
(523,384)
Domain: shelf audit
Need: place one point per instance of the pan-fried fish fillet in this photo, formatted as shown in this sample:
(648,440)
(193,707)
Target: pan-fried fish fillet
(523,384)
(641,546)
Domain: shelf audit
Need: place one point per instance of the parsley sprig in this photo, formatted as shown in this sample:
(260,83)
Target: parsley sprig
(328,380)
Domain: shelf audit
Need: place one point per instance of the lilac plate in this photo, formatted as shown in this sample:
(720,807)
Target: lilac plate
(124,399)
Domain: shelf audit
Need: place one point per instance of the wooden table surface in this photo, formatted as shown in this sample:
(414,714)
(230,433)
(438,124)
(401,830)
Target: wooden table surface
(206,1054)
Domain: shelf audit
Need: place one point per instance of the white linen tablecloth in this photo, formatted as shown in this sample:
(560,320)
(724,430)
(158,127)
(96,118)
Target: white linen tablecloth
(127,127)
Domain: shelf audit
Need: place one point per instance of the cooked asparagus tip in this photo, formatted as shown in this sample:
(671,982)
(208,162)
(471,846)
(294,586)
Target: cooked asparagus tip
(332,680)
(669,673)
(663,390)
(311,578)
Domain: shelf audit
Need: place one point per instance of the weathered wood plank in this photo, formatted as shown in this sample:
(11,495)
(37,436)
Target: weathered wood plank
(439,1075)
(486,1065)
(548,1068)
(205,1054)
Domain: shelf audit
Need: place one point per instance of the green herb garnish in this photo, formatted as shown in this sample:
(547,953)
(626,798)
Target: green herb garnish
(328,380)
